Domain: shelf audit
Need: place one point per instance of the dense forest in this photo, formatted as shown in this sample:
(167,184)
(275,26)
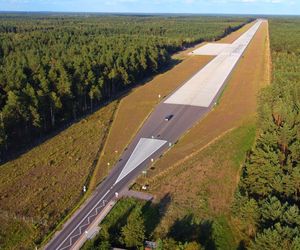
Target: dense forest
(268,199)
(54,69)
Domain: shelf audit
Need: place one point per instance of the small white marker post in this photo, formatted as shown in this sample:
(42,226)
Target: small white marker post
(170,144)
(152,160)
(159,96)
(144,172)
(116,194)
(84,189)
(108,164)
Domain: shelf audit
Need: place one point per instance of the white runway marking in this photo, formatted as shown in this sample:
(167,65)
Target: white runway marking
(211,49)
(203,87)
(144,149)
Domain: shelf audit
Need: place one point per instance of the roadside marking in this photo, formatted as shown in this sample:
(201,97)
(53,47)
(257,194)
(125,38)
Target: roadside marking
(143,150)
(87,216)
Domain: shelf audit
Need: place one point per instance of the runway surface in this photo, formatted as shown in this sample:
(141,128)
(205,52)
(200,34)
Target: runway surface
(188,104)
(202,88)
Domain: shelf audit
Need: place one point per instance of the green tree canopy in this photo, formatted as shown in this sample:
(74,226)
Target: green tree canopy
(133,233)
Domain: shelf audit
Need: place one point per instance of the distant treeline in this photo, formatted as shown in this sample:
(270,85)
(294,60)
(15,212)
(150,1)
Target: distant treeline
(55,69)
(268,199)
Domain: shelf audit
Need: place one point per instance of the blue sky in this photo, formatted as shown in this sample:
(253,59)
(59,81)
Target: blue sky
(157,6)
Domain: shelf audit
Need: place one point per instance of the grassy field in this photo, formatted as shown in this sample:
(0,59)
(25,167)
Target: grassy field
(204,184)
(33,193)
(141,102)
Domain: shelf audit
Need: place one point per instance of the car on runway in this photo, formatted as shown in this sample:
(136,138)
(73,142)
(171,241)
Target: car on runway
(169,117)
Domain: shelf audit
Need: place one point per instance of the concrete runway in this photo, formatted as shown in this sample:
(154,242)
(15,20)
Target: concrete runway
(184,117)
(203,87)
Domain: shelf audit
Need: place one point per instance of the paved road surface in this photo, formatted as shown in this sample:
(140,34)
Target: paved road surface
(153,139)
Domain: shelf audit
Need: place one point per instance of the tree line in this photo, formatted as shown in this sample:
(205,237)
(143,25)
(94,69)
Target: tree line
(268,198)
(53,69)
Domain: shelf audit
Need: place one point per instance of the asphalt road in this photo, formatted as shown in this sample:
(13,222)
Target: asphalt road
(184,117)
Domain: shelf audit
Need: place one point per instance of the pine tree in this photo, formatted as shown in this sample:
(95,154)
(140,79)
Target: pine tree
(133,233)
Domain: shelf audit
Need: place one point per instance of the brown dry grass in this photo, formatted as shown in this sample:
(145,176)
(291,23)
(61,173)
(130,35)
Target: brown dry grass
(38,188)
(238,104)
(204,184)
(268,60)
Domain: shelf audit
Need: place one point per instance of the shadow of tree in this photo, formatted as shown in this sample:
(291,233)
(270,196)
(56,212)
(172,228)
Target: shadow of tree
(188,229)
(242,245)
(154,212)
(206,235)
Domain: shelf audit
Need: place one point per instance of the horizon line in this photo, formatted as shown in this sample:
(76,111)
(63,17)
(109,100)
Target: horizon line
(142,13)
